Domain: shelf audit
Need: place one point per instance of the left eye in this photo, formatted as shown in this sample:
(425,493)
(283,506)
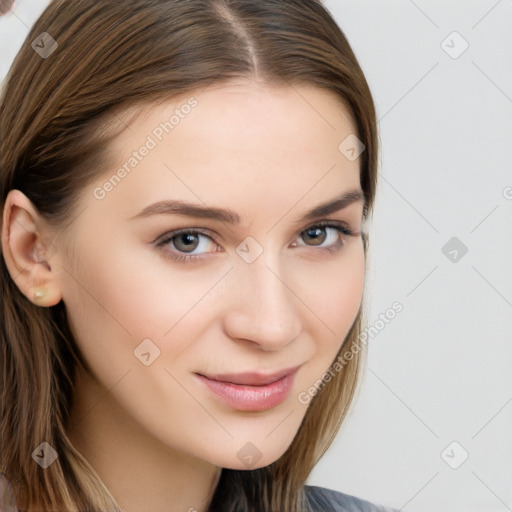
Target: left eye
(318,234)
(192,243)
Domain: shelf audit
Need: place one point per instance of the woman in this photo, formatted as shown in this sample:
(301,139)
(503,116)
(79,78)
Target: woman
(184,184)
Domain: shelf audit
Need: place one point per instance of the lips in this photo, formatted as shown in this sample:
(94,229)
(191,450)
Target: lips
(252,378)
(251,391)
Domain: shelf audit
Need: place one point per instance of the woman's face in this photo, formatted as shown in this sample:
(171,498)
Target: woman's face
(227,277)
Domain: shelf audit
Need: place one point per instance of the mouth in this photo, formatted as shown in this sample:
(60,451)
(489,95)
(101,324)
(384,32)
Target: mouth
(251,391)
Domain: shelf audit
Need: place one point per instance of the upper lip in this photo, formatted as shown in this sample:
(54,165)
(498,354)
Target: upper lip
(252,378)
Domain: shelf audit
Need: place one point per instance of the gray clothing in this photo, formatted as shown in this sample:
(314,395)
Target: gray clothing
(327,500)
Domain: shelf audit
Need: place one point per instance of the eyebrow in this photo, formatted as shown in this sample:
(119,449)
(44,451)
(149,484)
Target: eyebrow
(175,207)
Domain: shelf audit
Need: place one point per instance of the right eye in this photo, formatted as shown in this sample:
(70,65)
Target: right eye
(186,241)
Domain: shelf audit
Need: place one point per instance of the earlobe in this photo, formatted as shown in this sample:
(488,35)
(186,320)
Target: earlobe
(27,251)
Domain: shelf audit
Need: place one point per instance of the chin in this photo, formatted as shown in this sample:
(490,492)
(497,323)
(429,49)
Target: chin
(257,463)
(248,454)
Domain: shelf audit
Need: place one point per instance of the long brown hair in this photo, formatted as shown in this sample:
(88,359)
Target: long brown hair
(55,113)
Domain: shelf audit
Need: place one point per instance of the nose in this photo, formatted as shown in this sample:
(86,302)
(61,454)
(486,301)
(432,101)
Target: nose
(263,307)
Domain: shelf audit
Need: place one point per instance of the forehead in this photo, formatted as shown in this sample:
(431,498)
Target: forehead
(232,144)
(242,114)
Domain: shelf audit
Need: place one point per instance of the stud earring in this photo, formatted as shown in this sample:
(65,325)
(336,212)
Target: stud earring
(39,293)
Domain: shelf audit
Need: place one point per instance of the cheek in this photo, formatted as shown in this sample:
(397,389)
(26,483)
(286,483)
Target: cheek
(129,295)
(338,290)
(344,297)
(335,303)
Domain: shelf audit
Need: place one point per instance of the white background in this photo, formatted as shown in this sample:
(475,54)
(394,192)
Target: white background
(440,371)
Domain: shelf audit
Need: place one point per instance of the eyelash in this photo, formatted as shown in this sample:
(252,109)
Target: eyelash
(341,227)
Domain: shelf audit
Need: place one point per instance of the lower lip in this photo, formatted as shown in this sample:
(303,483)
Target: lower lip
(251,398)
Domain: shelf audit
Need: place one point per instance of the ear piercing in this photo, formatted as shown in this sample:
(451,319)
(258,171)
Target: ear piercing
(39,293)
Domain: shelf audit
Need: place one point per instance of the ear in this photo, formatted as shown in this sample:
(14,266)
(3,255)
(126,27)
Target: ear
(27,250)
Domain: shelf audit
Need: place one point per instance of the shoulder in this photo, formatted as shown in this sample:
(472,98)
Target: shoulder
(321,499)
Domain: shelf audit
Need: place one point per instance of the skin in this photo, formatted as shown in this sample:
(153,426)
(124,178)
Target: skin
(156,434)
